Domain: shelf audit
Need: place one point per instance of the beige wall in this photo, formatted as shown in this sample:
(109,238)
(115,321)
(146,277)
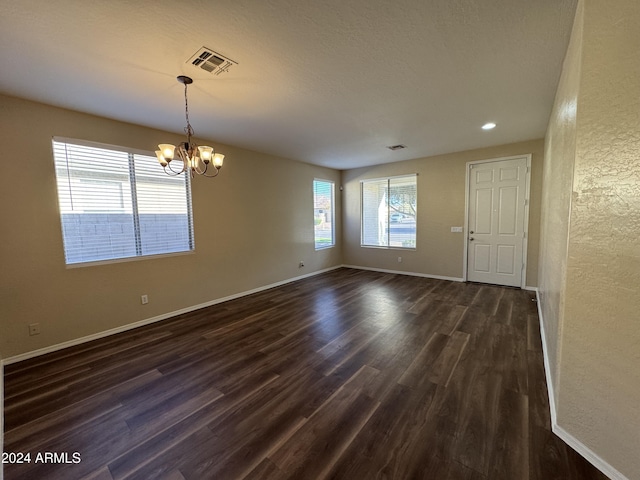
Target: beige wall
(601,332)
(441,205)
(253,224)
(560,149)
(597,379)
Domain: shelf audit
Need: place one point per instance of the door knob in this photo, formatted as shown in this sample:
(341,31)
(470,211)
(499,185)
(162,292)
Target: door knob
(471,232)
(471,239)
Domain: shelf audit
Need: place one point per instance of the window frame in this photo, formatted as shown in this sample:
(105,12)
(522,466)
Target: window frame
(137,242)
(388,219)
(333,214)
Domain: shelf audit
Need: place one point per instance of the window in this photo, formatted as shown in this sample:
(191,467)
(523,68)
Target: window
(389,212)
(323,199)
(116,203)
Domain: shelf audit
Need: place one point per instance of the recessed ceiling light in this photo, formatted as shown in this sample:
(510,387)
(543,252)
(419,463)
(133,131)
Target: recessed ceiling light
(488,126)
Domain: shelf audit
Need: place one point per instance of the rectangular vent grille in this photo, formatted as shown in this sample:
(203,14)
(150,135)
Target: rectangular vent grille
(210,61)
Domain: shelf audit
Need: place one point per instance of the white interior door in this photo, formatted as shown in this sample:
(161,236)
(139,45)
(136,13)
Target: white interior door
(496,222)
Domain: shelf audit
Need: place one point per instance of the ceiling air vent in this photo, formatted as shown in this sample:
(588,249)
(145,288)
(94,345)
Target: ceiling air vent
(211,61)
(396,147)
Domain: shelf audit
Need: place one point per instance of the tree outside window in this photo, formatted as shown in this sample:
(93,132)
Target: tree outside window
(389,212)
(323,213)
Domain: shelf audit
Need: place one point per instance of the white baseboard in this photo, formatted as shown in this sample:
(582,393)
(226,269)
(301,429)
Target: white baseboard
(401,272)
(547,365)
(588,454)
(424,275)
(158,318)
(569,439)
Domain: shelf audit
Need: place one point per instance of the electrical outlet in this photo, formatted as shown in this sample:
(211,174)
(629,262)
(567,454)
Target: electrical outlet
(34,329)
(399,259)
(144,299)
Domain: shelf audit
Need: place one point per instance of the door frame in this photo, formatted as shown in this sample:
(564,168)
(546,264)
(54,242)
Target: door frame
(525,240)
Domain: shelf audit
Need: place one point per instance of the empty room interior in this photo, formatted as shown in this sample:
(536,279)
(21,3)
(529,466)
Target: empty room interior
(355,240)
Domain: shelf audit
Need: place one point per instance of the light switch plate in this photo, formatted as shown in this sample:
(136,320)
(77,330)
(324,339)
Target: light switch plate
(456,229)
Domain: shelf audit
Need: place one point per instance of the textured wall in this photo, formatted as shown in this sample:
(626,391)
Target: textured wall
(560,149)
(599,394)
(252,225)
(441,202)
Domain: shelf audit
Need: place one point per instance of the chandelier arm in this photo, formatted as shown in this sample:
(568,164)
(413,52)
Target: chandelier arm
(183,154)
(201,171)
(173,171)
(170,172)
(214,175)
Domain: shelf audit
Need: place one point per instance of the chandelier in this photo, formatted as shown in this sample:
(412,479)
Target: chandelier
(196,159)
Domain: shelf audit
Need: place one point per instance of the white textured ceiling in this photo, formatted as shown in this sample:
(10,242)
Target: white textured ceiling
(329,82)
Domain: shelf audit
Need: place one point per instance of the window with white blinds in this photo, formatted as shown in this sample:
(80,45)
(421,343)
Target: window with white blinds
(323,214)
(389,212)
(116,203)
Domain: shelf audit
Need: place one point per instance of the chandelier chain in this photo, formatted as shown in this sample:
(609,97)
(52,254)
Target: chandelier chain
(188,129)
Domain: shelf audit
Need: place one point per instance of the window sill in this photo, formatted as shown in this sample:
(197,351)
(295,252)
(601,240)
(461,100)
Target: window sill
(324,248)
(127,259)
(379,247)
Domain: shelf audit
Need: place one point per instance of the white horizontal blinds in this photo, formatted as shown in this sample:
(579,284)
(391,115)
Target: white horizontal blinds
(94,195)
(375,212)
(389,212)
(323,213)
(114,205)
(402,211)
(164,208)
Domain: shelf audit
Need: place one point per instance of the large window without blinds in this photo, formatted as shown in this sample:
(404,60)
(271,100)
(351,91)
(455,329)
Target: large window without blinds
(389,212)
(116,203)
(323,214)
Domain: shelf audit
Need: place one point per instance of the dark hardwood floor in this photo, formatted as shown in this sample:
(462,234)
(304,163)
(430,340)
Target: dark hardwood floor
(348,375)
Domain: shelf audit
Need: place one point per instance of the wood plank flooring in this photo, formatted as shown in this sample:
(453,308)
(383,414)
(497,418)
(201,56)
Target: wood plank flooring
(346,375)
